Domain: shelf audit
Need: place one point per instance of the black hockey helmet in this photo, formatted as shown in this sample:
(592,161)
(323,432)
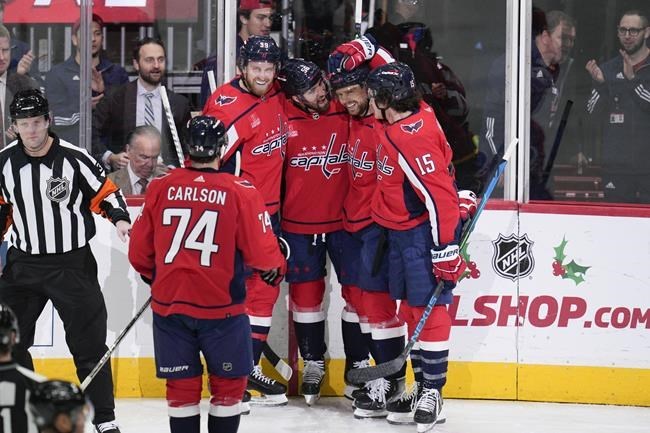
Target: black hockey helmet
(259,49)
(207,137)
(299,75)
(8,325)
(390,83)
(53,397)
(29,103)
(359,75)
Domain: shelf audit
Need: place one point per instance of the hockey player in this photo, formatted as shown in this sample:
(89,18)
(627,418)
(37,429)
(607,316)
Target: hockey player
(368,261)
(251,108)
(316,160)
(16,382)
(60,407)
(416,200)
(197,232)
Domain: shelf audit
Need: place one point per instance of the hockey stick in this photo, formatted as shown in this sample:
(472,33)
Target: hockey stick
(556,142)
(172,125)
(111,349)
(278,363)
(362,375)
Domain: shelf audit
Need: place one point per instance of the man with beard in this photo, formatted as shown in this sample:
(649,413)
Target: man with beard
(316,160)
(251,108)
(139,103)
(62,82)
(621,99)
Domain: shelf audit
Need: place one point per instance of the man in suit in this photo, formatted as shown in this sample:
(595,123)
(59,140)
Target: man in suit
(10,83)
(143,150)
(138,103)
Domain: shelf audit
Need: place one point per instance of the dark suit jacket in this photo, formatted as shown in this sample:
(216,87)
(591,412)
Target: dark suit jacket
(114,118)
(123,181)
(15,83)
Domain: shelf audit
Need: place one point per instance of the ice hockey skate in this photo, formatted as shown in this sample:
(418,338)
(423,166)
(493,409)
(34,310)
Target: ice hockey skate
(352,391)
(428,409)
(273,393)
(107,427)
(245,403)
(380,392)
(312,378)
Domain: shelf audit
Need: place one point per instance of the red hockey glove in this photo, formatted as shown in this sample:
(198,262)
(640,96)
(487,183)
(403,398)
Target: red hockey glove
(448,265)
(352,54)
(467,204)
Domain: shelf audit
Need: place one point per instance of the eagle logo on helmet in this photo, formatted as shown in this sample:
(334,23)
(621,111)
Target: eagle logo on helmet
(225,100)
(414,127)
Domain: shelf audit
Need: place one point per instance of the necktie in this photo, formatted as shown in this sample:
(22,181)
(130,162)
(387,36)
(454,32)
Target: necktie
(149,117)
(143,184)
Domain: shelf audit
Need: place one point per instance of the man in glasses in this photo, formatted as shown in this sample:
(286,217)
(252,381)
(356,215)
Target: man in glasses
(621,99)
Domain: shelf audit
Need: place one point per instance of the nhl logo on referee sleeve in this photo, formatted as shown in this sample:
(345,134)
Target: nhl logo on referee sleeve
(513,256)
(58,189)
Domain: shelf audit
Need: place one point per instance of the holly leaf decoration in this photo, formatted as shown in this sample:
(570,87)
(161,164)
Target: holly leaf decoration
(575,272)
(465,255)
(559,251)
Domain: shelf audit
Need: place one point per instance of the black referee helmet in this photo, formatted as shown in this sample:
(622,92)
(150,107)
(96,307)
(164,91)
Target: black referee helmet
(54,397)
(29,103)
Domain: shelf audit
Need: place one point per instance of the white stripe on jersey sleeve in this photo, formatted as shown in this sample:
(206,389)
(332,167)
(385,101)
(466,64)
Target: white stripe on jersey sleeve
(233,138)
(428,200)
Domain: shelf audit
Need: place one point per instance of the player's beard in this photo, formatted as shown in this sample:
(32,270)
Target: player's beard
(319,107)
(360,110)
(255,88)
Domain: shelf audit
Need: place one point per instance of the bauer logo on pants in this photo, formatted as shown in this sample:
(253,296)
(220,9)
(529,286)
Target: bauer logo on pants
(513,256)
(58,189)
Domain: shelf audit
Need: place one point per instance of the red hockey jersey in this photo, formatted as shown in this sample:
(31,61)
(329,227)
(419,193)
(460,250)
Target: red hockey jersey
(315,179)
(258,128)
(362,174)
(197,232)
(415,181)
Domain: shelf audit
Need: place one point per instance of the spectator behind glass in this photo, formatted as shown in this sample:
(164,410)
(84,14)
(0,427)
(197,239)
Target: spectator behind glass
(21,56)
(139,103)
(10,83)
(143,150)
(620,102)
(545,52)
(255,18)
(444,92)
(62,82)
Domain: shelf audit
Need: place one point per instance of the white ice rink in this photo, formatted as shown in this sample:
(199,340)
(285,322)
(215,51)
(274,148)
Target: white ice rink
(463,416)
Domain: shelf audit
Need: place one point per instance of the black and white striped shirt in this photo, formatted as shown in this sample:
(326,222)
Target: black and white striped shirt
(50,199)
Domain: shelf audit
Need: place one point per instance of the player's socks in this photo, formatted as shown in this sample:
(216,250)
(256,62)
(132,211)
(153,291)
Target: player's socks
(223,424)
(188,424)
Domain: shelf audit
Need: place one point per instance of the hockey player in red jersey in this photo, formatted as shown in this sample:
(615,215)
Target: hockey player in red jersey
(367,239)
(198,232)
(315,179)
(416,200)
(251,107)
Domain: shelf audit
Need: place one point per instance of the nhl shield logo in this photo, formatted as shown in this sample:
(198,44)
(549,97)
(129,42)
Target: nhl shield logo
(58,189)
(227,366)
(513,257)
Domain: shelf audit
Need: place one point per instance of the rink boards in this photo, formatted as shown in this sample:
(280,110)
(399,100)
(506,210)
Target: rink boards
(556,308)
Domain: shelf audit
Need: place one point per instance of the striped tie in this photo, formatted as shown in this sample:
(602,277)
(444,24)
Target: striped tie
(149,117)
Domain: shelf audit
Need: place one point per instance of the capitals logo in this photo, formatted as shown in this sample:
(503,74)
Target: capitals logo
(361,163)
(276,139)
(327,162)
(225,100)
(382,164)
(413,127)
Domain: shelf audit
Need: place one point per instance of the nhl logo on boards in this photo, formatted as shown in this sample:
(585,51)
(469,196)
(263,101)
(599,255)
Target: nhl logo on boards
(58,189)
(513,256)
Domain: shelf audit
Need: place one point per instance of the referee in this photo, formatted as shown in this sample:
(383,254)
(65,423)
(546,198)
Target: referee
(49,189)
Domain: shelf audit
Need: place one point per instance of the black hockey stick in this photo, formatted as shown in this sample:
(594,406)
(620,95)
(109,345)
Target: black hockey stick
(556,142)
(362,375)
(278,363)
(111,349)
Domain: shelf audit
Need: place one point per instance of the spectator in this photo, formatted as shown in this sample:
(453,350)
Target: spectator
(62,82)
(10,83)
(143,151)
(620,99)
(139,103)
(21,55)
(545,52)
(255,18)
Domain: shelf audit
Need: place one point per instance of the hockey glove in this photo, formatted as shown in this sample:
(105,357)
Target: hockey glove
(351,54)
(467,204)
(448,265)
(273,277)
